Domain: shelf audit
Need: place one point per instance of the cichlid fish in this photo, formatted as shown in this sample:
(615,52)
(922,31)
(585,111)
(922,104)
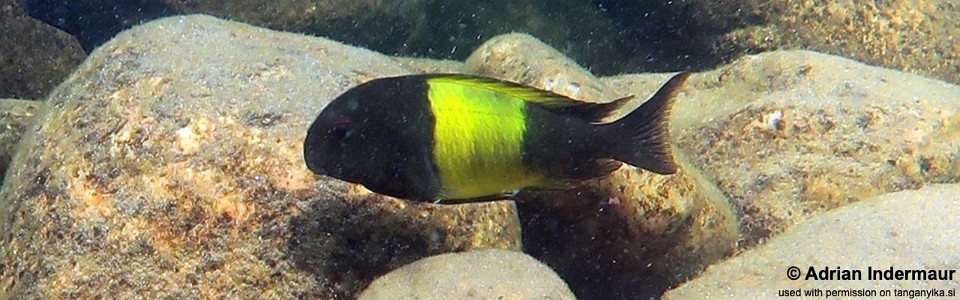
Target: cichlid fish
(437,137)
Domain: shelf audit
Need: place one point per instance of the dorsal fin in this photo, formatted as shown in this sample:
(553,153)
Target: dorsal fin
(560,104)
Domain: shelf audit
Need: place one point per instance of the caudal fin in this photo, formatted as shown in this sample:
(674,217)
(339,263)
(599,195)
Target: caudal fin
(640,138)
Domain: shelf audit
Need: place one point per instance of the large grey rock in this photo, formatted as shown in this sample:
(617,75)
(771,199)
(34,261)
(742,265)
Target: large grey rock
(169,165)
(480,274)
(914,36)
(909,230)
(788,134)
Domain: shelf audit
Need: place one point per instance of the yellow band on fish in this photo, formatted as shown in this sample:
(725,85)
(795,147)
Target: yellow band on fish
(478,139)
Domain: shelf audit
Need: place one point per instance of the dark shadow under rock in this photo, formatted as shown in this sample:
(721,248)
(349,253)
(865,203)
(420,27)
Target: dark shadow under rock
(349,243)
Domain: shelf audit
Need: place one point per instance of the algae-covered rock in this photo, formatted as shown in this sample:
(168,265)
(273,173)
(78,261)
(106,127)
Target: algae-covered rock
(481,274)
(169,165)
(15,116)
(825,131)
(635,232)
(423,65)
(34,57)
(908,230)
(914,36)
(917,36)
(525,59)
(787,134)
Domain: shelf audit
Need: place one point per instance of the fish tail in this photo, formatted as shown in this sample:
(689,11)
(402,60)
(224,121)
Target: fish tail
(641,137)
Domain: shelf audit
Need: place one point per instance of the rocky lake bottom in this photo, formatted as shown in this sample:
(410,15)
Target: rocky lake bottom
(169,165)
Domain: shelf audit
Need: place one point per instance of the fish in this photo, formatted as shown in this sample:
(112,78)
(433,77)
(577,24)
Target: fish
(455,138)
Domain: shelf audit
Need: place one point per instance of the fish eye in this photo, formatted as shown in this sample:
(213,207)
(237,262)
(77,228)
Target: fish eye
(340,129)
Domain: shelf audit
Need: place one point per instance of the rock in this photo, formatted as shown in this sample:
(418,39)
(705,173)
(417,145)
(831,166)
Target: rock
(436,29)
(169,165)
(525,59)
(636,233)
(171,160)
(423,65)
(382,25)
(35,56)
(605,35)
(480,274)
(788,134)
(915,37)
(885,33)
(15,116)
(908,230)
(424,28)
(93,23)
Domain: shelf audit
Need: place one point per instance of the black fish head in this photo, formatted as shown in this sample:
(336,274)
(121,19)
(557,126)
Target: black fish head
(349,141)
(378,134)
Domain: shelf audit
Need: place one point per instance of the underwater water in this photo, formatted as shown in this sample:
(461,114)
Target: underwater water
(155,149)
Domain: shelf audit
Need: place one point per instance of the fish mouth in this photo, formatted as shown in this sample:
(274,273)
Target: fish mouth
(315,168)
(335,171)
